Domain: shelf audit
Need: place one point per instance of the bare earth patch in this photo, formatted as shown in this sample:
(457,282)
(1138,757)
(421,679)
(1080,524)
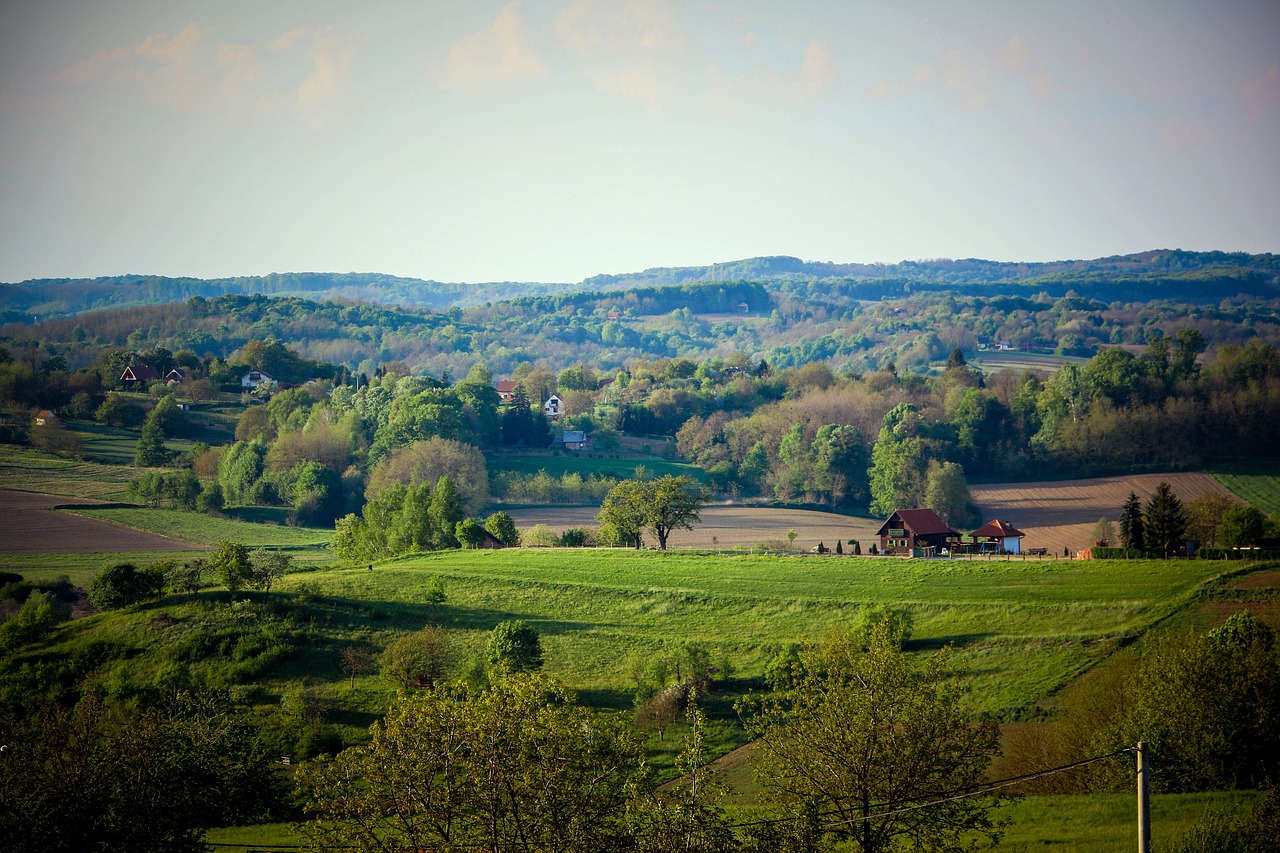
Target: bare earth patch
(33,525)
(1062,514)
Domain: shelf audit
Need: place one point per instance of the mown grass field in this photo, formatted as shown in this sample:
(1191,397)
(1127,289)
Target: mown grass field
(27,470)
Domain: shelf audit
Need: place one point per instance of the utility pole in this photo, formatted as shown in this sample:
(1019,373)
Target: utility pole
(1144,800)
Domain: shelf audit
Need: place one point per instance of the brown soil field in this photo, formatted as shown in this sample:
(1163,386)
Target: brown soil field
(33,525)
(1053,514)
(1062,514)
(731,526)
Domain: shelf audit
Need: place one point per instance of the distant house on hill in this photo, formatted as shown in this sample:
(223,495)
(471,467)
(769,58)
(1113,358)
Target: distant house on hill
(46,418)
(176,376)
(256,377)
(572,439)
(553,408)
(913,532)
(507,390)
(999,536)
(137,376)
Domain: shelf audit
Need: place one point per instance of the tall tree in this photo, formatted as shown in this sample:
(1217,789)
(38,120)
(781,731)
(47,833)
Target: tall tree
(1164,520)
(947,493)
(1131,527)
(897,462)
(876,745)
(623,514)
(232,565)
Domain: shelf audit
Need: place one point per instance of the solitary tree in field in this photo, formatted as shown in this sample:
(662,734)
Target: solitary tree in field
(514,646)
(674,503)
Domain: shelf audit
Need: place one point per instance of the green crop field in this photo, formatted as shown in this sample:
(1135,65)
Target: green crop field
(558,466)
(1257,483)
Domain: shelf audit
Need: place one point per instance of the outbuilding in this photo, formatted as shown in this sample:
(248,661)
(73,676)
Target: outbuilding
(999,536)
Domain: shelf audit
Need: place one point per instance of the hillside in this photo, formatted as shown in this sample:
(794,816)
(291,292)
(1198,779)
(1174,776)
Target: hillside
(1152,274)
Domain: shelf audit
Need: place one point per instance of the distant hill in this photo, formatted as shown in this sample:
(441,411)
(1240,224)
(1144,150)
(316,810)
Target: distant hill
(1165,273)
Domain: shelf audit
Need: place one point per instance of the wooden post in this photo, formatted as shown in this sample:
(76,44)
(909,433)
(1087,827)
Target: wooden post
(1144,800)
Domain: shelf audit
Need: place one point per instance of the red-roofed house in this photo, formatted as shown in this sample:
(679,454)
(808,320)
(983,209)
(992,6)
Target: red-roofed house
(999,536)
(507,390)
(915,531)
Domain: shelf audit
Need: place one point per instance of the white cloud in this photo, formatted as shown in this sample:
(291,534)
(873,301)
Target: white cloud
(977,85)
(630,49)
(192,74)
(491,59)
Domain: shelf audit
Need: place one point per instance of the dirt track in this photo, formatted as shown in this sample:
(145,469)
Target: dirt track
(32,525)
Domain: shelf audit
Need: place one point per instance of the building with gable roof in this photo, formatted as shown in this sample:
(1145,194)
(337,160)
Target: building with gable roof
(915,532)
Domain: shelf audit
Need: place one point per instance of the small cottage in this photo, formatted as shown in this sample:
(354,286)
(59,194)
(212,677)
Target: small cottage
(999,536)
(572,439)
(915,532)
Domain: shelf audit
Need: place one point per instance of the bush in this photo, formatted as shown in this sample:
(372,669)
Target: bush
(124,584)
(1127,553)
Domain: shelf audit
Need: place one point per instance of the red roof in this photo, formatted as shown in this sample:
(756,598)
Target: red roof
(139,373)
(997,529)
(921,522)
(507,386)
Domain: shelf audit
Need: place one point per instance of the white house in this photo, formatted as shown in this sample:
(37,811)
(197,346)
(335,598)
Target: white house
(256,377)
(554,407)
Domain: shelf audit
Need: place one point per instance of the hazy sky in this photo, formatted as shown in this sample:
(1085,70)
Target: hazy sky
(549,141)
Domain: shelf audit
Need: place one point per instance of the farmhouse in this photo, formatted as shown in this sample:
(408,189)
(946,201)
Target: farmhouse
(46,417)
(571,439)
(139,375)
(999,536)
(915,532)
(256,377)
(176,376)
(552,408)
(507,390)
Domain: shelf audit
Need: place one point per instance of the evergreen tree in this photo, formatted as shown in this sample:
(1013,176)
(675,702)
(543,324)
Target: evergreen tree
(1131,533)
(1164,519)
(151,450)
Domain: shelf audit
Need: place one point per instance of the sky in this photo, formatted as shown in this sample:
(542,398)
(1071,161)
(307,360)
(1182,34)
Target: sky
(551,140)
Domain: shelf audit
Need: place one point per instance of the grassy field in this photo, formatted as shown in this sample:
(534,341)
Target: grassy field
(1025,629)
(1097,823)
(209,529)
(27,470)
(1257,483)
(622,468)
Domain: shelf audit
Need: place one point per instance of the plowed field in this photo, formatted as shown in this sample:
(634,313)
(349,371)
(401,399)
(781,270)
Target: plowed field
(1053,514)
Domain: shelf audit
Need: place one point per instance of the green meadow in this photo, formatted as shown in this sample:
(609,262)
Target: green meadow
(1023,629)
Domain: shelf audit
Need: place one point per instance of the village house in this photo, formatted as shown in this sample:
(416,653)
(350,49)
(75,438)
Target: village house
(507,390)
(256,377)
(915,532)
(553,408)
(46,418)
(175,377)
(138,376)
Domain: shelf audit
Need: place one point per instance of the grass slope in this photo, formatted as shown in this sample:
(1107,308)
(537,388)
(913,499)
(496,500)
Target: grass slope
(210,530)
(1256,483)
(1024,628)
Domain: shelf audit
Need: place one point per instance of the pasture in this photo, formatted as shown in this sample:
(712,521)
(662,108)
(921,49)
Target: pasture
(1255,483)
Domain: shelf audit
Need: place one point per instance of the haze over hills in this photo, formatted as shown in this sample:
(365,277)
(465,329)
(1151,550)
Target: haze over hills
(1205,275)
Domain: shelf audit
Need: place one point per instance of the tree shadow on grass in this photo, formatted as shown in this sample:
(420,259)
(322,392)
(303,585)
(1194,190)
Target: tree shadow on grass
(933,644)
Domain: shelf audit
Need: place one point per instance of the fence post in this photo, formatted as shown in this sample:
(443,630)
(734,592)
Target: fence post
(1144,800)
